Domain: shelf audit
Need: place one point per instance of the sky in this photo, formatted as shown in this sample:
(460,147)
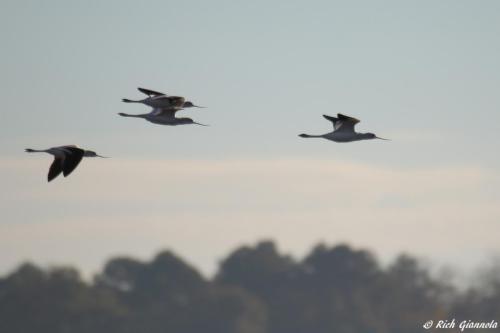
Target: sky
(422,73)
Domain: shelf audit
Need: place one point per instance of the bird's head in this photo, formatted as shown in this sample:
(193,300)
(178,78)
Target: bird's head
(90,153)
(187,121)
(369,136)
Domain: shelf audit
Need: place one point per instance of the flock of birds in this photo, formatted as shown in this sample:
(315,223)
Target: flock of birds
(165,107)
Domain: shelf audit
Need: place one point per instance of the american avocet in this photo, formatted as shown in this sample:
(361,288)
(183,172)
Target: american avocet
(163,116)
(157,99)
(66,159)
(343,130)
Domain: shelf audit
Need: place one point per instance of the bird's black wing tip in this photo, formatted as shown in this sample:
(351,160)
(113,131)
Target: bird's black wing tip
(149,92)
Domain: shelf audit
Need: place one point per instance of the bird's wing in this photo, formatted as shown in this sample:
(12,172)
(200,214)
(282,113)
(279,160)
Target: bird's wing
(150,92)
(335,121)
(55,168)
(169,101)
(345,123)
(71,160)
(165,112)
(347,118)
(175,101)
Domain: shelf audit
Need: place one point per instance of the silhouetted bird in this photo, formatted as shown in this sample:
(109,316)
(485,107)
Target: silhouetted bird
(66,159)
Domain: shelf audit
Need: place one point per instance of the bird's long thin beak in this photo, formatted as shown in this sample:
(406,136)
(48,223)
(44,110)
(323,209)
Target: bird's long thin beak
(383,139)
(201,107)
(200,124)
(101,156)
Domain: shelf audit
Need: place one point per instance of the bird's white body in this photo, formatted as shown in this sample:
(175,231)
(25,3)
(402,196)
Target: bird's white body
(343,130)
(341,137)
(58,152)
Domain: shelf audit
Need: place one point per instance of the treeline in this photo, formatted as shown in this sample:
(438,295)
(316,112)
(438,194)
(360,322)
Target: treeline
(256,290)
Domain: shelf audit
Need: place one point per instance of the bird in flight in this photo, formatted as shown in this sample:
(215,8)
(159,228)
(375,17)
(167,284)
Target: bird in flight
(66,159)
(157,99)
(163,116)
(343,130)
(164,108)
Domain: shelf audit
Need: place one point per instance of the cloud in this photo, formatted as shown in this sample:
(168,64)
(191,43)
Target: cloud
(203,208)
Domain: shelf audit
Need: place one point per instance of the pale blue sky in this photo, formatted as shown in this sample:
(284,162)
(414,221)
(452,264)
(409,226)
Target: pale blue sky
(423,73)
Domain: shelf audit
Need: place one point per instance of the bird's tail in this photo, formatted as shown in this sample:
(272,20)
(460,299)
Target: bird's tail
(131,115)
(309,136)
(126,100)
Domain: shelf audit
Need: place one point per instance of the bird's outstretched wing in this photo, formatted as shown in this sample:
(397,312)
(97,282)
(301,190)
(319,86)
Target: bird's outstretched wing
(345,118)
(342,122)
(72,158)
(55,168)
(334,120)
(169,101)
(150,92)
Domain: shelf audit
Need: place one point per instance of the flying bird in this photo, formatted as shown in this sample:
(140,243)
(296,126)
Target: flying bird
(157,99)
(66,159)
(163,116)
(343,130)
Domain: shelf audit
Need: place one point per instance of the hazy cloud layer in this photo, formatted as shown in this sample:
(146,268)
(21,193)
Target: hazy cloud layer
(202,208)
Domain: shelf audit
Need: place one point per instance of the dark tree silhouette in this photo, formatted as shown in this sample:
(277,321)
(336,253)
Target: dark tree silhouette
(256,290)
